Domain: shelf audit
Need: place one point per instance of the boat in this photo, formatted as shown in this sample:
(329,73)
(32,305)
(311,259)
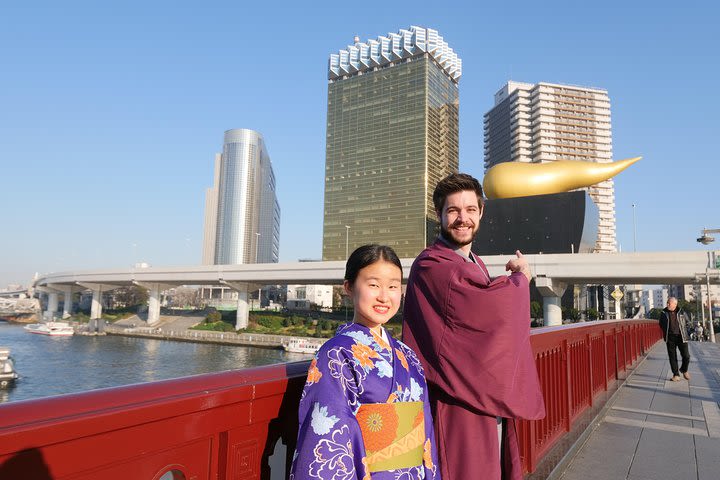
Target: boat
(302,345)
(54,329)
(7,368)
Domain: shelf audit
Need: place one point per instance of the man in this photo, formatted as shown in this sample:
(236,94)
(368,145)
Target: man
(472,334)
(673,322)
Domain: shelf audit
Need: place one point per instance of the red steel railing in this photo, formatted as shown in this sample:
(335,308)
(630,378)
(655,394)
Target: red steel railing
(242,424)
(575,363)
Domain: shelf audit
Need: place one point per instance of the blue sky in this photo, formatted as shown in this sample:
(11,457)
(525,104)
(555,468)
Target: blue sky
(110,115)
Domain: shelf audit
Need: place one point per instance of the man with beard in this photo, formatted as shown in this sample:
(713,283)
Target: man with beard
(472,335)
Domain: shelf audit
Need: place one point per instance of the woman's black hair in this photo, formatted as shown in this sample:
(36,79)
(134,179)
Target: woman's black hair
(367,255)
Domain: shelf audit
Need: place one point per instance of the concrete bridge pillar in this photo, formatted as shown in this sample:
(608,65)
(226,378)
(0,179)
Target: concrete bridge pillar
(154,299)
(52,305)
(96,322)
(551,292)
(96,305)
(67,302)
(243,308)
(153,304)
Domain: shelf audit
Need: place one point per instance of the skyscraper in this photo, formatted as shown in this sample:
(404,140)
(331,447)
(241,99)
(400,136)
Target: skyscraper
(392,134)
(242,214)
(545,122)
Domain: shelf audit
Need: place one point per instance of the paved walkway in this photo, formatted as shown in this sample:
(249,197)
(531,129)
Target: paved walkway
(656,429)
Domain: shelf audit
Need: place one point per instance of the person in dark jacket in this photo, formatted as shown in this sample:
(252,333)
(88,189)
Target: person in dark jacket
(674,322)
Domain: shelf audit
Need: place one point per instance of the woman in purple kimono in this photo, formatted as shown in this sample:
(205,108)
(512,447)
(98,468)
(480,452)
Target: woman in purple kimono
(364,412)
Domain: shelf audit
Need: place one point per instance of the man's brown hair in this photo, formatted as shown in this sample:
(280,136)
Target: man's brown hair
(453,183)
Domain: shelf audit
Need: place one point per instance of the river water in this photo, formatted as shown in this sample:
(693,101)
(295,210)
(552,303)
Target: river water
(57,365)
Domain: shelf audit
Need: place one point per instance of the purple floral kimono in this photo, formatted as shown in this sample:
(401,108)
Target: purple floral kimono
(364,412)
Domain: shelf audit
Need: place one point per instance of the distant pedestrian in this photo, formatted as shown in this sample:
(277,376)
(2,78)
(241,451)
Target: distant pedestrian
(699,332)
(673,322)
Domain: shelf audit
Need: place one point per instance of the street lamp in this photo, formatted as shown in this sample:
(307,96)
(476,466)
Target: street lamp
(347,240)
(706,239)
(257,244)
(634,231)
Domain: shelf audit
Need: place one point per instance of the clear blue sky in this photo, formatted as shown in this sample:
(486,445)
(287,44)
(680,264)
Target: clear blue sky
(110,116)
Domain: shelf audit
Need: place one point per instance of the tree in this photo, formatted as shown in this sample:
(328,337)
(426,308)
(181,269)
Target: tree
(592,314)
(131,296)
(571,313)
(185,297)
(536,309)
(654,313)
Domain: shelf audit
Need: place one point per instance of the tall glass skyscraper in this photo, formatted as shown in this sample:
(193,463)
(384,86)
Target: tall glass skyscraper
(392,134)
(242,214)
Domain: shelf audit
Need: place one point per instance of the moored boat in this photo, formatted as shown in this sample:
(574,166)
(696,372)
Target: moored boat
(54,329)
(302,345)
(7,368)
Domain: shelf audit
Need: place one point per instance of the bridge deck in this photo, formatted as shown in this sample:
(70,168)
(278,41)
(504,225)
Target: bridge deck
(657,429)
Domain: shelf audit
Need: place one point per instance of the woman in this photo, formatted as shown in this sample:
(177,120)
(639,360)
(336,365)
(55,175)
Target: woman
(364,412)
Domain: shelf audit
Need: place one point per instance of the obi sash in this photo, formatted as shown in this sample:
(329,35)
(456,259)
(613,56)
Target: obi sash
(393,433)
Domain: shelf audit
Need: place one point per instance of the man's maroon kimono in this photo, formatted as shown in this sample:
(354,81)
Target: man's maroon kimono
(472,335)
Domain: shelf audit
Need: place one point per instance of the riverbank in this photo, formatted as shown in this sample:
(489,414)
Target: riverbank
(205,336)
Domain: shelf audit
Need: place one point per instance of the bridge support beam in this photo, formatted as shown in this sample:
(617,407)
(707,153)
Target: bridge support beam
(67,302)
(154,299)
(551,292)
(243,309)
(154,305)
(52,306)
(96,322)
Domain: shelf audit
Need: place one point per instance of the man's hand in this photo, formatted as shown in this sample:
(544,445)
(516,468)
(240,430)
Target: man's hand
(519,264)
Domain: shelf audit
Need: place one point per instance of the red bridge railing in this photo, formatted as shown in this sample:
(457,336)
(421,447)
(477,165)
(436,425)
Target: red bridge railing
(242,424)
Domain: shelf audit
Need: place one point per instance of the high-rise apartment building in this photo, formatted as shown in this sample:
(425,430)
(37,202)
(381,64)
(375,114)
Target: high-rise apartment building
(545,122)
(392,134)
(242,214)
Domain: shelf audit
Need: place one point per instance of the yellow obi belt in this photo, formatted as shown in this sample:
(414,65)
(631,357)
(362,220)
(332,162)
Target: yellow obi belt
(393,433)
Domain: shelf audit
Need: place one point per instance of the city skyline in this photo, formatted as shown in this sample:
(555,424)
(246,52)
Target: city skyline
(110,115)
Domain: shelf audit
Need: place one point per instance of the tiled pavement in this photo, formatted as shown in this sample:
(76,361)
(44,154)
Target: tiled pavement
(656,429)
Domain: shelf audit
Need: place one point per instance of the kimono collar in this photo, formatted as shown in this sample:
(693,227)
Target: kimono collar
(458,250)
(352,326)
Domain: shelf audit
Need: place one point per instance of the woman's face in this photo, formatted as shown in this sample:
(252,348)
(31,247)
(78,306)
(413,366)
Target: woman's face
(376,293)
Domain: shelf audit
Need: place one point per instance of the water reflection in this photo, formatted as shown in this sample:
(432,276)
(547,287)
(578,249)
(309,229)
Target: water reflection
(57,365)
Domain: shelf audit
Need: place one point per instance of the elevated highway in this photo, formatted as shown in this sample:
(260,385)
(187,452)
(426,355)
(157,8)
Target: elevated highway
(552,274)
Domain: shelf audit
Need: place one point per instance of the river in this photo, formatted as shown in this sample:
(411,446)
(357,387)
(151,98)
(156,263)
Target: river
(58,365)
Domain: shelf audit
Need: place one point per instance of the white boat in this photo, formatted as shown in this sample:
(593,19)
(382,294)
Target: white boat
(302,345)
(54,329)
(7,368)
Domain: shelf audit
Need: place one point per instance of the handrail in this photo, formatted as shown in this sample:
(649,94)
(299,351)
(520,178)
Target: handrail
(243,424)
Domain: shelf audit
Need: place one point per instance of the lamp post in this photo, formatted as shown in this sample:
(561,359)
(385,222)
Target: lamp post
(634,231)
(347,240)
(706,239)
(257,244)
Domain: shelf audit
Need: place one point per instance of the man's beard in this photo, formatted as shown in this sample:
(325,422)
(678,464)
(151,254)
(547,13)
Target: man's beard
(449,235)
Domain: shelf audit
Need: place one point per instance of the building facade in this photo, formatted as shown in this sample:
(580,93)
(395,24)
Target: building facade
(545,122)
(392,134)
(316,295)
(242,214)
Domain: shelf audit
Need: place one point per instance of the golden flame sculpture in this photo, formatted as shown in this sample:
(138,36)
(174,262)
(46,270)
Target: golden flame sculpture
(518,179)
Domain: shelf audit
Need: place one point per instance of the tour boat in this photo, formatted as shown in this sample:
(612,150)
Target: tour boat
(51,328)
(302,345)
(7,368)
